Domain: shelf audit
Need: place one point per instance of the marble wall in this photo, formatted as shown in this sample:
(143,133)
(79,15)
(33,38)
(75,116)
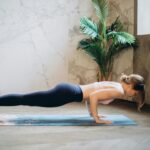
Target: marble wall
(38,44)
(39,39)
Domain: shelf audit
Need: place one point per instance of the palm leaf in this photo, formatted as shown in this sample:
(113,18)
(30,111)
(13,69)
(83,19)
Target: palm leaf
(121,37)
(101,8)
(104,42)
(115,26)
(88,27)
(92,48)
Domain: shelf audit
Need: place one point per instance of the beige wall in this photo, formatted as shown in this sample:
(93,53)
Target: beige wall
(123,61)
(142,62)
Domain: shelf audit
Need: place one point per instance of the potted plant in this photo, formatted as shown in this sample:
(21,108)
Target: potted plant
(103,42)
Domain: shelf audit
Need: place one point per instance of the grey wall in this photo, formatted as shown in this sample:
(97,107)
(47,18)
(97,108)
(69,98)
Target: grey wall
(143,22)
(38,41)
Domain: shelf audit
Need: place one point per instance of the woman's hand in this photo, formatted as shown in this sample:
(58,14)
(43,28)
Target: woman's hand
(101,116)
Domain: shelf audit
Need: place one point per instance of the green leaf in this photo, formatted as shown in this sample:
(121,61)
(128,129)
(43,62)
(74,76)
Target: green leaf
(121,37)
(92,48)
(101,8)
(88,27)
(115,26)
(104,42)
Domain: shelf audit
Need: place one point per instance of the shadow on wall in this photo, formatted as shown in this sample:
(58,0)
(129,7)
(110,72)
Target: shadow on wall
(141,62)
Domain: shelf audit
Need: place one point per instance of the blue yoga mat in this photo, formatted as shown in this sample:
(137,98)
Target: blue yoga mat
(62,120)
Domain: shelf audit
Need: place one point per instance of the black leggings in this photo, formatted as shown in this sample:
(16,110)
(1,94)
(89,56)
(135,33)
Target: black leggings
(59,95)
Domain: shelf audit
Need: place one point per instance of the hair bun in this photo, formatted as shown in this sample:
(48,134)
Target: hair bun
(139,87)
(124,77)
(127,79)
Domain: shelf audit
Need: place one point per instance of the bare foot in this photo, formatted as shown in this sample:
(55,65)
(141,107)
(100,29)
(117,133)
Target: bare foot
(103,121)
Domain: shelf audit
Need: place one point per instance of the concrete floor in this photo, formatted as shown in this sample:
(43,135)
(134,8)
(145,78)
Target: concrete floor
(78,137)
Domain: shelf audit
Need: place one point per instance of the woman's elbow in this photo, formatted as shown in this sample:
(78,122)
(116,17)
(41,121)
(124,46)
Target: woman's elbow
(92,97)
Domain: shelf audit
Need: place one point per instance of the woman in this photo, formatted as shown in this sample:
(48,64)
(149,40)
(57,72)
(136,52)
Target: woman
(103,92)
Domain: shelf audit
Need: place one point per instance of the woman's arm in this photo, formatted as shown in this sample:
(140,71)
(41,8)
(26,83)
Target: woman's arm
(87,103)
(102,94)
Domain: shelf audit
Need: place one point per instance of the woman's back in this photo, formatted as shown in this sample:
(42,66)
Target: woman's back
(89,88)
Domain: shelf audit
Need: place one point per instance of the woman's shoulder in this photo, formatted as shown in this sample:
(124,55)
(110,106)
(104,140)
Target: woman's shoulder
(117,86)
(108,83)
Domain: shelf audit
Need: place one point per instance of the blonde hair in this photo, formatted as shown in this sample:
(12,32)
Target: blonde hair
(138,84)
